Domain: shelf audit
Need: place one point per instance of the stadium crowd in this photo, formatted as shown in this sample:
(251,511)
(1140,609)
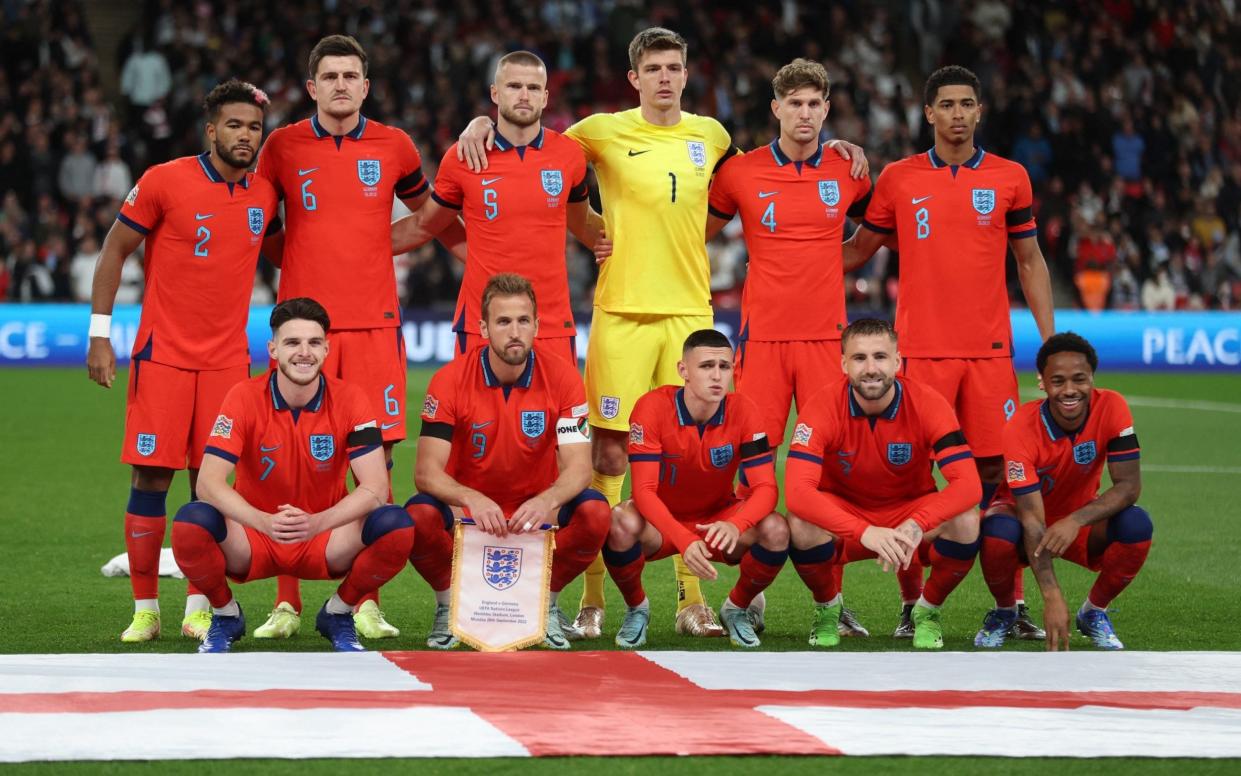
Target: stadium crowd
(1126,113)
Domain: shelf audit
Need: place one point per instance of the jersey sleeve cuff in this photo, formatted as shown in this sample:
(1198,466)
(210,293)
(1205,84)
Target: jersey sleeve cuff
(798,454)
(1026,489)
(220,453)
(720,213)
(1023,234)
(435,195)
(876,228)
(132,224)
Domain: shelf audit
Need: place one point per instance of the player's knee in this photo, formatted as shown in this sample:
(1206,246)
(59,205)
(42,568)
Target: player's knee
(1002,527)
(609,452)
(1130,526)
(205,516)
(773,532)
(422,507)
(804,535)
(384,521)
(964,528)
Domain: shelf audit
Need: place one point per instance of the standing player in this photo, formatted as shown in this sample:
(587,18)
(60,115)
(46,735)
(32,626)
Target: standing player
(504,440)
(654,164)
(291,435)
(337,173)
(686,444)
(517,211)
(793,202)
(858,483)
(954,210)
(1054,452)
(203,219)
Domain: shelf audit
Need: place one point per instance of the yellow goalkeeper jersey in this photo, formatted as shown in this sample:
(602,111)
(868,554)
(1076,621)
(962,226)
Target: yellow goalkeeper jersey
(653,181)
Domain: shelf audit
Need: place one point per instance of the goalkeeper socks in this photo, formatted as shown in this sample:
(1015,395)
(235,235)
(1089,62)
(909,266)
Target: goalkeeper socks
(758,569)
(289,590)
(817,571)
(146,521)
(689,590)
(431,556)
(949,562)
(578,541)
(610,486)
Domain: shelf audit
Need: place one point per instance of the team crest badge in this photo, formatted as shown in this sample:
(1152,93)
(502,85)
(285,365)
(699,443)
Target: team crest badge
(697,152)
(1084,453)
(255,219)
(553,182)
(609,406)
(984,201)
(368,171)
(146,444)
(829,192)
(721,456)
(322,446)
(900,453)
(501,566)
(533,422)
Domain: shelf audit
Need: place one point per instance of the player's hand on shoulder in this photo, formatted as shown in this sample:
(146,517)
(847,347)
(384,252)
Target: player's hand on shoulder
(889,545)
(1056,623)
(852,152)
(101,361)
(474,142)
(603,247)
(529,516)
(486,513)
(720,535)
(698,558)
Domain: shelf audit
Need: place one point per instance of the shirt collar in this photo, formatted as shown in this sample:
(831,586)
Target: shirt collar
(1053,429)
(489,376)
(353,134)
(213,175)
(971,163)
(279,403)
(782,159)
(889,413)
(685,419)
(503,143)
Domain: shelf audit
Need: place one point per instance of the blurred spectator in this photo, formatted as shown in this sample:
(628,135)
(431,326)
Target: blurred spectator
(1157,291)
(77,170)
(112,177)
(1093,269)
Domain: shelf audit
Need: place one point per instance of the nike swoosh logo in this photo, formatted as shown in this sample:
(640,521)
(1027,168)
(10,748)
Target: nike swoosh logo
(266,449)
(201,217)
(766,194)
(920,200)
(638,153)
(477,426)
(489,181)
(386,426)
(306,172)
(139,534)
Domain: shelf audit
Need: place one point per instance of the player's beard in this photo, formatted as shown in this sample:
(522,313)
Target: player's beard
(226,156)
(872,391)
(513,357)
(520,120)
(293,377)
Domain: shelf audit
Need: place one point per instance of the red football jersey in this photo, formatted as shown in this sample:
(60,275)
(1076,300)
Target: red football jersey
(953,224)
(504,438)
(287,456)
(337,195)
(682,470)
(793,215)
(203,236)
(515,221)
(1067,466)
(878,461)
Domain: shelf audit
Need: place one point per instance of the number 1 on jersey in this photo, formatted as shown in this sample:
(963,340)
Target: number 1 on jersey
(673,176)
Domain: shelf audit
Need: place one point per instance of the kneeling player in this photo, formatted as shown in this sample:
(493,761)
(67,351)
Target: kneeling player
(685,447)
(292,435)
(504,440)
(1054,451)
(858,484)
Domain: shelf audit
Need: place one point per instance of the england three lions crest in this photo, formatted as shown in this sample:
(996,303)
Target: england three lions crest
(146,444)
(533,423)
(254,217)
(1084,453)
(697,152)
(501,566)
(984,201)
(368,171)
(322,447)
(829,192)
(553,182)
(900,453)
(721,456)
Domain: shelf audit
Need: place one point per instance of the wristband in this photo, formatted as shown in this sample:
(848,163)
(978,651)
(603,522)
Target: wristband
(100,325)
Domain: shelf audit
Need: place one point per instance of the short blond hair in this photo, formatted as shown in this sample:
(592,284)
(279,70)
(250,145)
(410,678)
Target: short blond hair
(655,39)
(800,74)
(508,284)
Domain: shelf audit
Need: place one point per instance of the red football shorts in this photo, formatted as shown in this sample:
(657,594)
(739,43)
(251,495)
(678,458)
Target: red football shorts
(373,360)
(561,347)
(982,391)
(269,558)
(1078,552)
(668,548)
(772,373)
(169,412)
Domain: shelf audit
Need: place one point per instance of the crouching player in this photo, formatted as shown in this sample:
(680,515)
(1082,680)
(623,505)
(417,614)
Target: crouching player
(1054,451)
(686,444)
(505,441)
(291,435)
(858,484)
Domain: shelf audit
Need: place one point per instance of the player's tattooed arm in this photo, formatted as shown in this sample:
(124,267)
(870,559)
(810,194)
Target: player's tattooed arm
(1035,284)
(1126,487)
(475,141)
(120,242)
(1034,530)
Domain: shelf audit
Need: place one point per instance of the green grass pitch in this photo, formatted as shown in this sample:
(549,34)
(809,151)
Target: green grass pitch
(64,492)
